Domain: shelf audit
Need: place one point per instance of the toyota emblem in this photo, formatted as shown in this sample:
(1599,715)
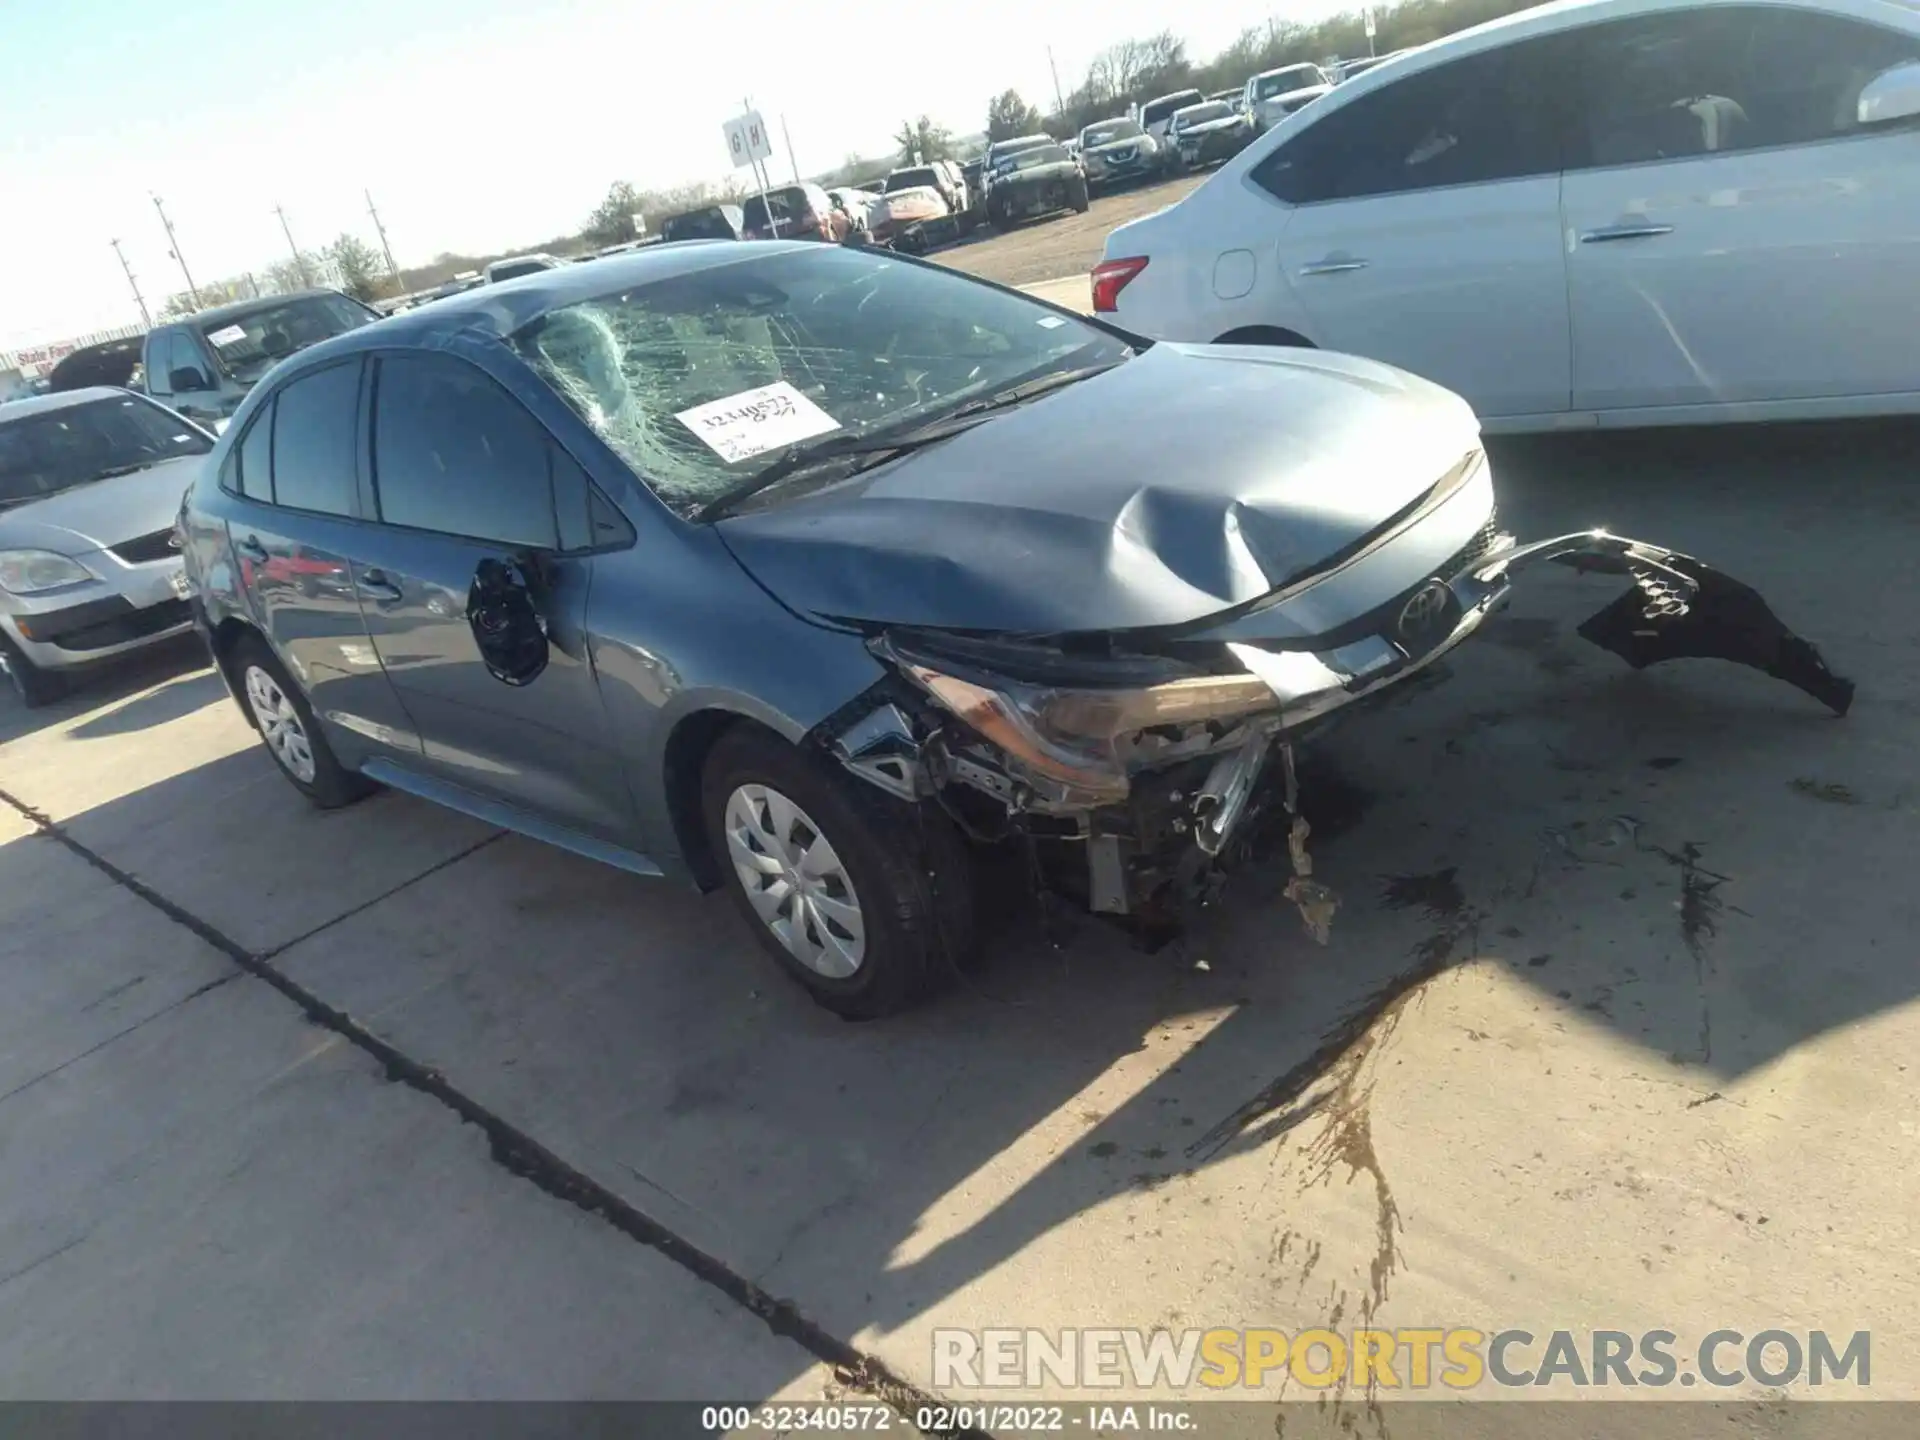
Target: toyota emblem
(1421,614)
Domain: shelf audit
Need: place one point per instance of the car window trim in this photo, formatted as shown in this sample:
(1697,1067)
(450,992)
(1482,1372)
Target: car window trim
(375,517)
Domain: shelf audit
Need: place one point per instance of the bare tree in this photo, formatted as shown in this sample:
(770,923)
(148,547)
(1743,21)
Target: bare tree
(1008,115)
(921,141)
(360,266)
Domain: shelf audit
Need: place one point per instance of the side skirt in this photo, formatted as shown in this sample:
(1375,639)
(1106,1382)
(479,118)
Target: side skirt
(507,817)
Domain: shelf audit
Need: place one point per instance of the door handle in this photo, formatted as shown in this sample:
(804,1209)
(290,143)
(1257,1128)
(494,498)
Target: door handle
(375,585)
(252,549)
(1333,266)
(1624,232)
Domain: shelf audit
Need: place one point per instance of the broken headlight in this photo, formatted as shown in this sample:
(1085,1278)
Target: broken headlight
(1076,736)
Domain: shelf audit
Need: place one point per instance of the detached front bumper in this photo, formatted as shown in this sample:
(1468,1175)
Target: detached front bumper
(1159,842)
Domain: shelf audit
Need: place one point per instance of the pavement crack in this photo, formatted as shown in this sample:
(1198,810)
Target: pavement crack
(521,1155)
(117,1036)
(33,1265)
(387,894)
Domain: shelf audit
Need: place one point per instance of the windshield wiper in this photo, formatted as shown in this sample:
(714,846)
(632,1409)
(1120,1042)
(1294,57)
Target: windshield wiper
(824,451)
(113,472)
(1023,392)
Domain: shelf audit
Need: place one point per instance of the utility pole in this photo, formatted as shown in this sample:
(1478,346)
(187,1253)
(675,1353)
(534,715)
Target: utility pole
(299,260)
(792,159)
(173,249)
(381,230)
(138,299)
(1059,105)
(760,177)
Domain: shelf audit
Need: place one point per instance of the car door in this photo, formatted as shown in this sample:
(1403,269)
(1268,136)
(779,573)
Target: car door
(1424,227)
(464,481)
(294,514)
(1737,234)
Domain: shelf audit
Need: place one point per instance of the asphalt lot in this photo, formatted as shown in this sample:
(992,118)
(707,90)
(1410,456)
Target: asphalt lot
(1066,244)
(1616,1027)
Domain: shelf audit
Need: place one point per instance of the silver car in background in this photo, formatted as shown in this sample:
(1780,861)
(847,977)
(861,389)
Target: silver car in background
(90,484)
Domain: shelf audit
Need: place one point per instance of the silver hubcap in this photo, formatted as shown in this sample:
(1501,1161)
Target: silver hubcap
(280,725)
(796,883)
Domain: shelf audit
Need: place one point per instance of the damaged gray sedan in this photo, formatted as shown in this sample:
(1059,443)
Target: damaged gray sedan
(804,571)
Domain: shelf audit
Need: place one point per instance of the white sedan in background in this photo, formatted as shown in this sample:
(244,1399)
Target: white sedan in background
(1606,212)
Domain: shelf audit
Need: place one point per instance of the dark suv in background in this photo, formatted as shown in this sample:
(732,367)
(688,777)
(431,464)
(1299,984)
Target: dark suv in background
(203,366)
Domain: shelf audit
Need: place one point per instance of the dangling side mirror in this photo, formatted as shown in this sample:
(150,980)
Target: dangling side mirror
(505,618)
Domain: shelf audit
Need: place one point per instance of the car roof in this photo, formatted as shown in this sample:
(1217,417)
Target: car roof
(241,309)
(496,311)
(1021,141)
(59,400)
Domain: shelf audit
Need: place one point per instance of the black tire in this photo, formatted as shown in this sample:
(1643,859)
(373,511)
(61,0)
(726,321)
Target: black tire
(1081,200)
(331,785)
(910,873)
(31,685)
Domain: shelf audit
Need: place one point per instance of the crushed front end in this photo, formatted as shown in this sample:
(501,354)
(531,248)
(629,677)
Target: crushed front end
(1138,765)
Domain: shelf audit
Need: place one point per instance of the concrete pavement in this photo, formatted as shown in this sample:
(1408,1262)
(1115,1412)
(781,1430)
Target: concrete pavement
(1632,1048)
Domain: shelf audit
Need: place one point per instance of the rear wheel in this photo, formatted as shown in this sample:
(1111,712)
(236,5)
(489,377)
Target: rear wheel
(31,685)
(286,724)
(865,901)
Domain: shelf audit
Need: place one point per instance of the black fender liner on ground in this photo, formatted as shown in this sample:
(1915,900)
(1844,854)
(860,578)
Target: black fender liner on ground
(1681,608)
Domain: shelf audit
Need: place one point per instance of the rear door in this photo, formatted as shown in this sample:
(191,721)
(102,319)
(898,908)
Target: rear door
(294,479)
(1424,227)
(1738,235)
(462,474)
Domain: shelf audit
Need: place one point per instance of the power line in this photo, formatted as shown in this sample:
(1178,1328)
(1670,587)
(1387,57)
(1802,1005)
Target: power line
(173,249)
(138,298)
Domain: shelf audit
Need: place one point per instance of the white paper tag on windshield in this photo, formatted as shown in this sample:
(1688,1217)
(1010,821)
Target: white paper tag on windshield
(232,335)
(756,421)
(1049,322)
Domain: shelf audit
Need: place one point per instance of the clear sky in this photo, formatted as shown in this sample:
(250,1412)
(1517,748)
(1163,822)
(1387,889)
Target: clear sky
(477,124)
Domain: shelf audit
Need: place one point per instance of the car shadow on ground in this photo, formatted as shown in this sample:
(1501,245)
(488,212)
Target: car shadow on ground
(129,686)
(1696,859)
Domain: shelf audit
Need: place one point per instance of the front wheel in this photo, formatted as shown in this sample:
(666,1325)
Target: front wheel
(31,685)
(1081,200)
(286,724)
(864,900)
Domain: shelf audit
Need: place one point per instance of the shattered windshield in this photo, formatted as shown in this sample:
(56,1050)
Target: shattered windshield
(1200,115)
(45,452)
(1039,155)
(702,380)
(247,347)
(1300,77)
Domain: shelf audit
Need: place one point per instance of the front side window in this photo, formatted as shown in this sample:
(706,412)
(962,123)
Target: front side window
(1485,117)
(1725,78)
(247,347)
(682,377)
(47,451)
(315,424)
(454,453)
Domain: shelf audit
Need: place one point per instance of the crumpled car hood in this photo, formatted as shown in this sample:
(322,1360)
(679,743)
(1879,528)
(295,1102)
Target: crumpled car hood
(1189,480)
(106,512)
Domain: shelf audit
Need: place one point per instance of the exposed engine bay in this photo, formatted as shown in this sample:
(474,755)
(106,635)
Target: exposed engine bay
(1139,766)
